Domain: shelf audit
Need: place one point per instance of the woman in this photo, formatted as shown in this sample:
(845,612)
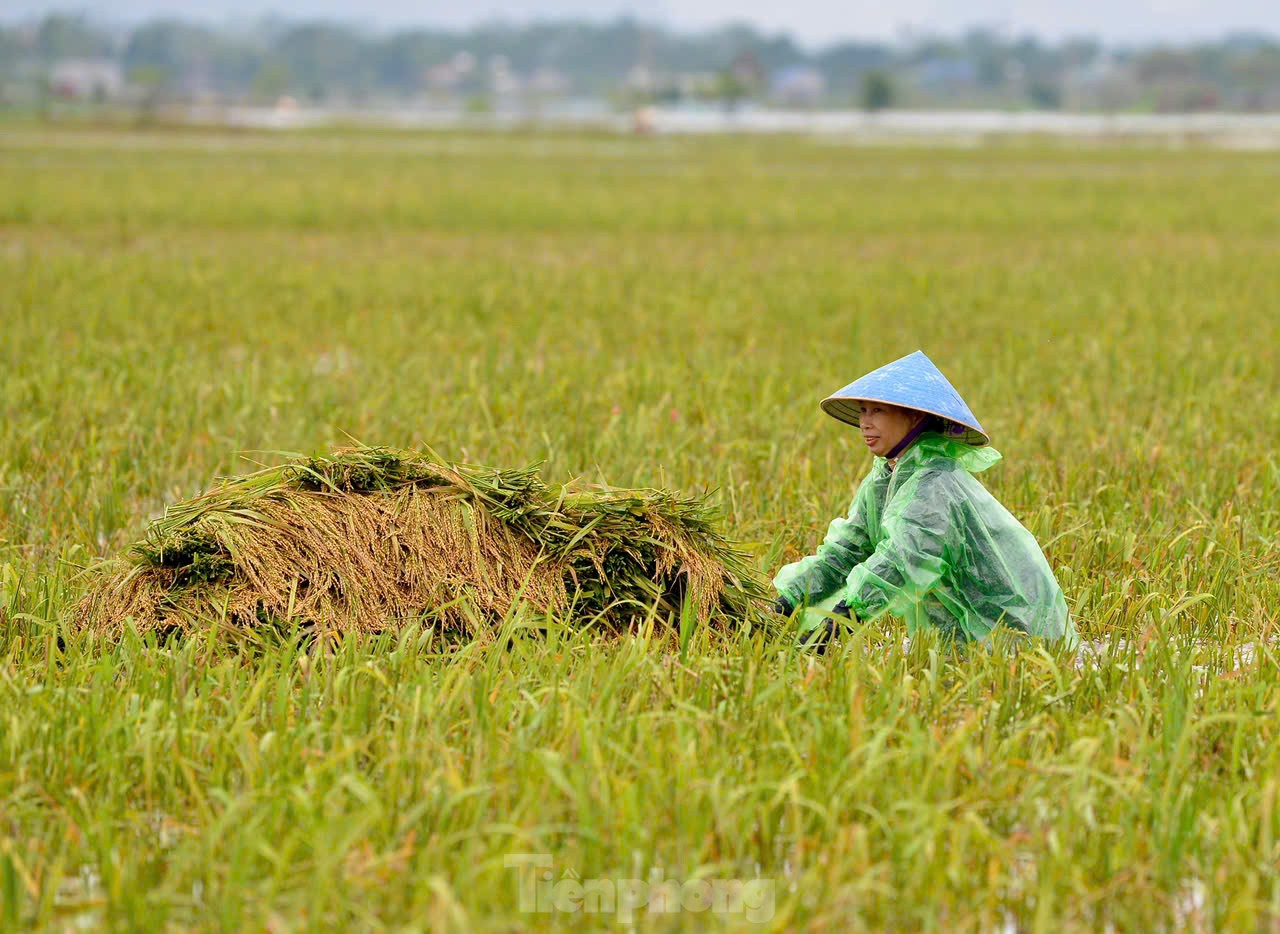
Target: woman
(924,540)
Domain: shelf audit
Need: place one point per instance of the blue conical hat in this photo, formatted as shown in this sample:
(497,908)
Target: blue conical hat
(913,383)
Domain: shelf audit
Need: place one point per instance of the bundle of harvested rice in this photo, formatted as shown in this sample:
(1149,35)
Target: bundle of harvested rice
(371,537)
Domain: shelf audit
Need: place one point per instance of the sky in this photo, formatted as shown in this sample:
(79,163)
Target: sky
(813,22)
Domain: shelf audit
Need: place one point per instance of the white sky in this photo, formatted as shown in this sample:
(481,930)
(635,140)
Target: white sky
(813,22)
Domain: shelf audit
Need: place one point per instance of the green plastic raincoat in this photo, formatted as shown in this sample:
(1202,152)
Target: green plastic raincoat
(925,541)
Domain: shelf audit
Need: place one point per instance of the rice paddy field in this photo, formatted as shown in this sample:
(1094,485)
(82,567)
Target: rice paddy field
(660,312)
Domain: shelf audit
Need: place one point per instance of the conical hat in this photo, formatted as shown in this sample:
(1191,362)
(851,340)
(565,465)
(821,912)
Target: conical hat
(913,383)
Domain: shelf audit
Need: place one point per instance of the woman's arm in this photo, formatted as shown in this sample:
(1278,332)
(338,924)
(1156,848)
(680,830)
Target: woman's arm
(847,543)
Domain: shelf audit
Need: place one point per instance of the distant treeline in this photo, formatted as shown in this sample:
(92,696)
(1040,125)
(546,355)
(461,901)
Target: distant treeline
(628,61)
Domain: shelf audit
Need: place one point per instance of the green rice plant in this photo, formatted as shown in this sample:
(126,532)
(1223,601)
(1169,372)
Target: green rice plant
(644,314)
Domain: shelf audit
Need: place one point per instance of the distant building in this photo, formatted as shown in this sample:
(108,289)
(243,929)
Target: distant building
(946,74)
(548,82)
(442,77)
(86,79)
(798,86)
(747,71)
(1105,83)
(450,75)
(696,85)
(640,78)
(502,80)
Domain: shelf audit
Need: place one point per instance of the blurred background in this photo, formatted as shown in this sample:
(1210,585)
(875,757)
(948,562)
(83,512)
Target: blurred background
(922,66)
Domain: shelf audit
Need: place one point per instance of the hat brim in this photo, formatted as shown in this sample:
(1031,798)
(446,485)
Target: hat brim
(849,411)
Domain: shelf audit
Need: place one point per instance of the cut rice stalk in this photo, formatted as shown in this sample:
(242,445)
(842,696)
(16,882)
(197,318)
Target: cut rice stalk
(367,538)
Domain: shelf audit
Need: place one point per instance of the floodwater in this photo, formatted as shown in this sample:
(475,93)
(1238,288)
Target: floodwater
(1246,131)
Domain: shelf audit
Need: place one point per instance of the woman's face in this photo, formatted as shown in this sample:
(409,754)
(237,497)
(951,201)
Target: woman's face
(884,425)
